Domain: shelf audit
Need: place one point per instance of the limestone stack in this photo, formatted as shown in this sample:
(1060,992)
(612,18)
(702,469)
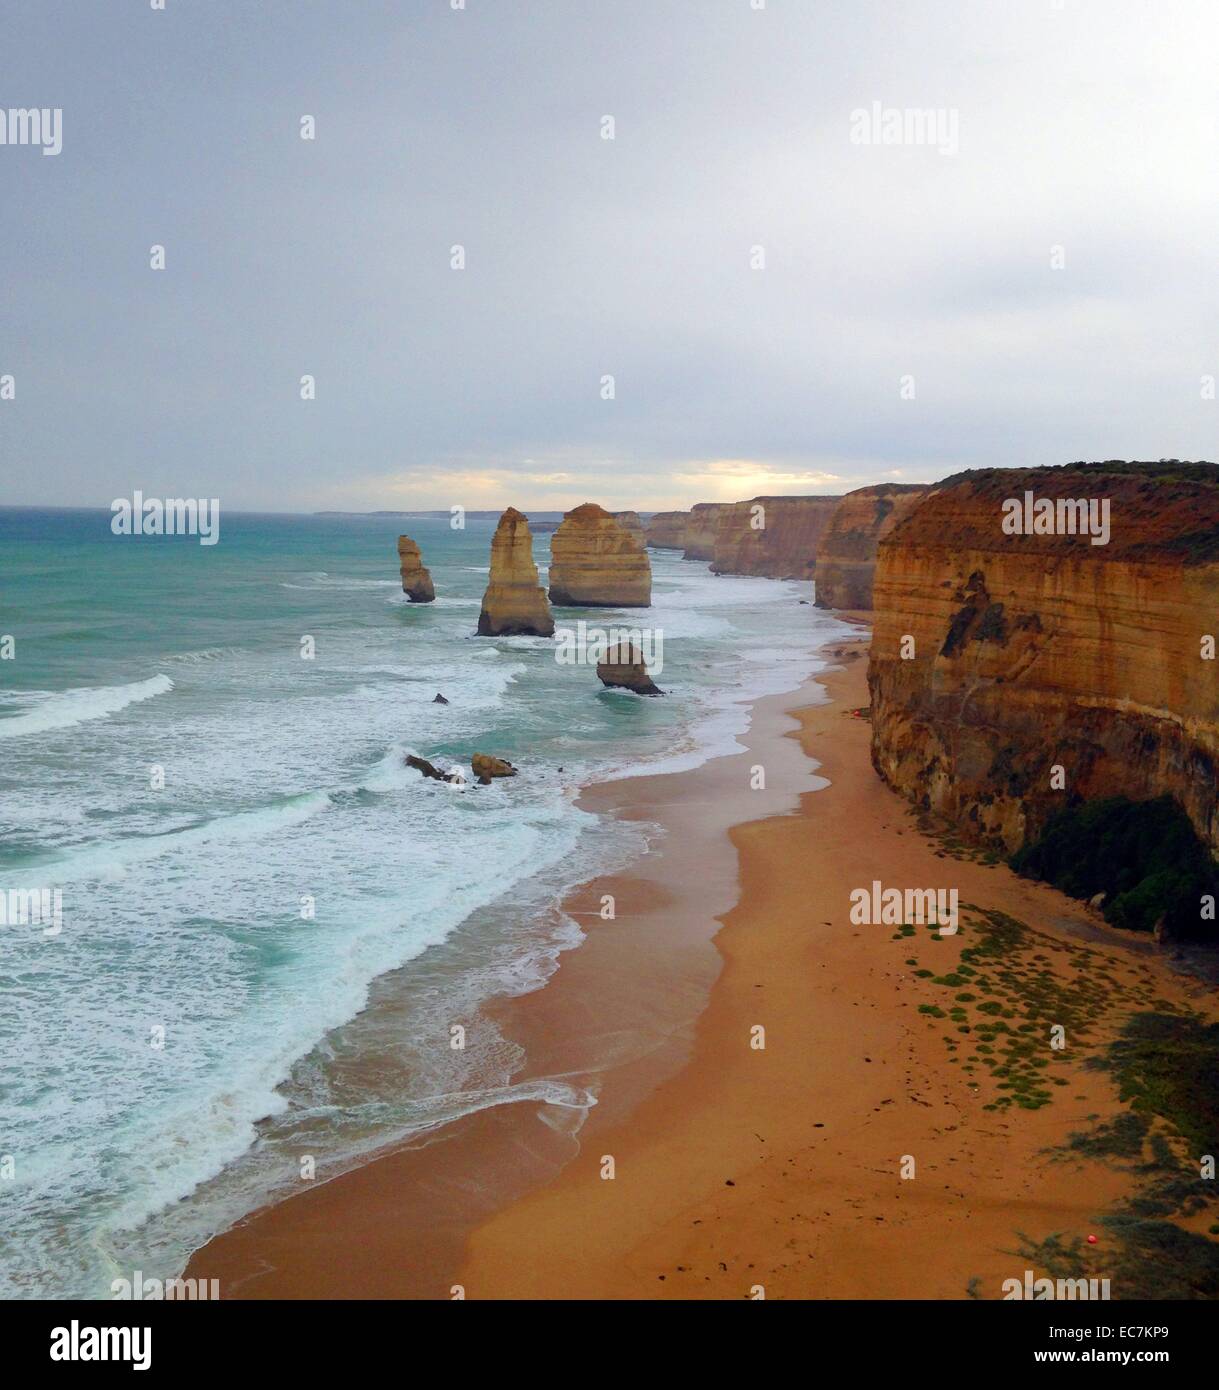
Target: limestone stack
(1016,673)
(776,537)
(515,603)
(667,530)
(846,553)
(416,581)
(623,667)
(701,527)
(595,562)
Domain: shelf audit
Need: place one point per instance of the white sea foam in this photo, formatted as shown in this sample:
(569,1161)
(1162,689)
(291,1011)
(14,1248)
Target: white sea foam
(40,711)
(206,654)
(326,581)
(111,858)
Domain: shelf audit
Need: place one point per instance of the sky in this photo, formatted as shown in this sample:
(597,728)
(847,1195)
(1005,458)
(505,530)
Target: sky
(1041,287)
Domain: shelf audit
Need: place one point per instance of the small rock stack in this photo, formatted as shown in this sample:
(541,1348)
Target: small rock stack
(622,667)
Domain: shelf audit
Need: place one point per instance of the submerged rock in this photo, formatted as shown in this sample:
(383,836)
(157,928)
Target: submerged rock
(596,562)
(416,581)
(622,667)
(515,604)
(431,771)
(486,766)
(440,700)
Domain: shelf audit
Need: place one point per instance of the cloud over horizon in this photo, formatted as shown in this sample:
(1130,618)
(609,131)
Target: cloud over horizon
(1088,127)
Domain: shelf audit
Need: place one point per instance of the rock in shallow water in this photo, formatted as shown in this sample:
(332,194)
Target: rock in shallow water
(431,771)
(622,667)
(486,766)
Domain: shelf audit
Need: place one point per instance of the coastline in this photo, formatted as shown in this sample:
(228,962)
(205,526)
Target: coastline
(616,1017)
(736,1169)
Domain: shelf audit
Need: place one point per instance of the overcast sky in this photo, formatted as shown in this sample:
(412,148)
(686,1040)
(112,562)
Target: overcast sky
(1089,125)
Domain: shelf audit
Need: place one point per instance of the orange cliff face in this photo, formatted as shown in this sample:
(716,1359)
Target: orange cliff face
(846,553)
(1044,669)
(776,537)
(515,603)
(701,525)
(667,530)
(596,562)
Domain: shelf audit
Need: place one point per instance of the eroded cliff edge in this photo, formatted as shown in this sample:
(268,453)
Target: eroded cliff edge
(702,522)
(775,537)
(1031,652)
(846,553)
(667,530)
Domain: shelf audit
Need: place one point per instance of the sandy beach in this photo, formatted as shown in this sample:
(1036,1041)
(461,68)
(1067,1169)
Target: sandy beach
(788,1107)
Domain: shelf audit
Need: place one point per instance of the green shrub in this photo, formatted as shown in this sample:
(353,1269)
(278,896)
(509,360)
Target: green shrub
(1145,856)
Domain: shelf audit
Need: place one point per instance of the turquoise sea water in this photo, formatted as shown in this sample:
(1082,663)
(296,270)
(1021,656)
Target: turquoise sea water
(180,1030)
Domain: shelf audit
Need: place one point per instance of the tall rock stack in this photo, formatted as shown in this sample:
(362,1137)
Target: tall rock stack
(1015,673)
(846,553)
(667,530)
(416,581)
(776,537)
(595,562)
(515,603)
(701,526)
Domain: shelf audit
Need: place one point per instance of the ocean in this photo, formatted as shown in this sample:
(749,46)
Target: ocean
(240,851)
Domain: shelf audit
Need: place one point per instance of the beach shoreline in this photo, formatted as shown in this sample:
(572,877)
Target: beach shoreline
(738,1169)
(616,1017)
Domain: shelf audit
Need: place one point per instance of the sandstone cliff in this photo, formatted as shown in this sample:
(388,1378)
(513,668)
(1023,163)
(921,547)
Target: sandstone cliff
(594,562)
(667,530)
(1037,651)
(846,553)
(416,581)
(701,526)
(630,523)
(514,604)
(772,536)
